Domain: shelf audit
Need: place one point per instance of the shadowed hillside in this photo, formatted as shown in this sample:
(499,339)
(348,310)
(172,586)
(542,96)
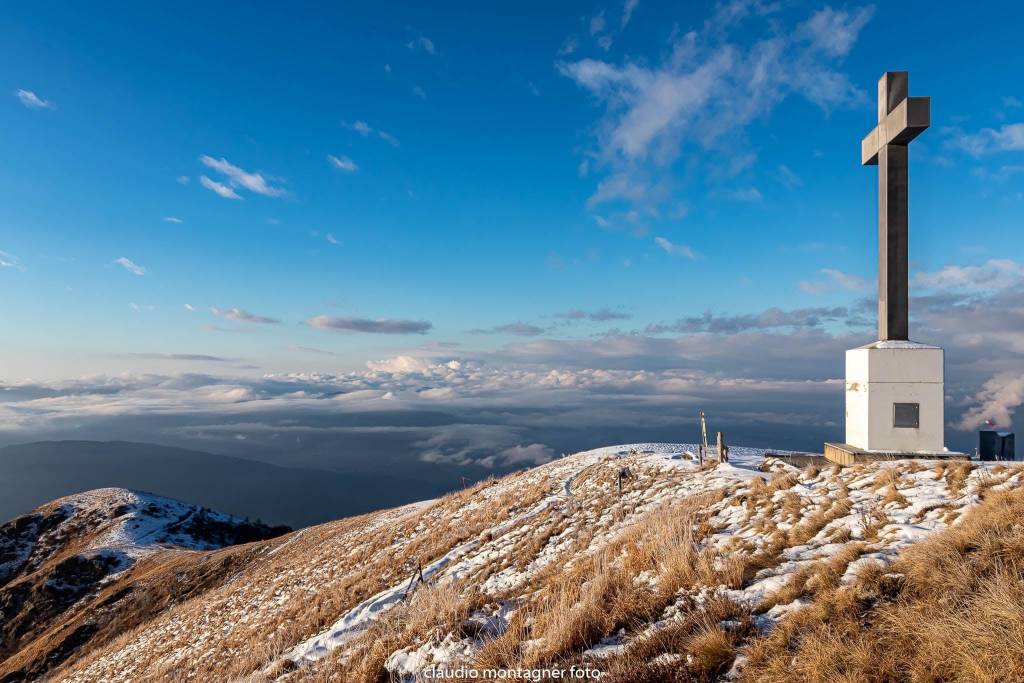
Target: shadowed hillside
(68,569)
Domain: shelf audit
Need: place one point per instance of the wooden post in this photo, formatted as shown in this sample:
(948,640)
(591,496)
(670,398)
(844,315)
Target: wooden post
(723,452)
(700,454)
(623,473)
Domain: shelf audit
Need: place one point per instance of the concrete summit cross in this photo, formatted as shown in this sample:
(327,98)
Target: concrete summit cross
(894,386)
(900,120)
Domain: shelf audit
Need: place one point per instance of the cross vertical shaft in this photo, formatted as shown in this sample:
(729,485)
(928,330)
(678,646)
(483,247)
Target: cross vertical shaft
(900,120)
(893,243)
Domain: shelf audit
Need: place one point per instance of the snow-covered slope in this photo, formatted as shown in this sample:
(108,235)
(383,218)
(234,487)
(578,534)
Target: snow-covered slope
(54,559)
(600,559)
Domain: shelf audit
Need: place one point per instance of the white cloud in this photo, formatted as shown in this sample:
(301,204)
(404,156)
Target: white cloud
(747,194)
(400,365)
(1011,102)
(8,260)
(1008,138)
(437,393)
(182,180)
(130,265)
(704,92)
(1000,174)
(814,288)
(569,45)
(834,278)
(190,307)
(343,163)
(597,23)
(330,238)
(679,211)
(675,249)
(627,11)
(240,315)
(419,92)
(421,43)
(995,402)
(32,101)
(788,178)
(625,185)
(220,188)
(238,177)
(172,219)
(835,31)
(847,281)
(647,105)
(996,274)
(527,456)
(365,129)
(361,127)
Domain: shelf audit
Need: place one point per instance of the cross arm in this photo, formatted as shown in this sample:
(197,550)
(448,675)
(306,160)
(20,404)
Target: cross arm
(904,123)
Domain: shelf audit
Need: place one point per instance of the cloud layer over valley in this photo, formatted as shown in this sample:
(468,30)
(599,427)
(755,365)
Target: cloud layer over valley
(772,378)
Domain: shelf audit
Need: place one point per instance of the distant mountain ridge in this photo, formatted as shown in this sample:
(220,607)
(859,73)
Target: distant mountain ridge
(34,473)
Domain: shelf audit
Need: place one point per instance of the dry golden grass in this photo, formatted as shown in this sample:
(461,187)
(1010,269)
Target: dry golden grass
(956,473)
(430,613)
(872,519)
(893,495)
(365,559)
(813,579)
(700,645)
(758,485)
(792,506)
(155,584)
(598,595)
(949,609)
(597,563)
(887,476)
(808,527)
(990,477)
(781,481)
(889,479)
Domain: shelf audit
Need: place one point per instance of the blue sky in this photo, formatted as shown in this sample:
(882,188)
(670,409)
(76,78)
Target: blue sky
(239,190)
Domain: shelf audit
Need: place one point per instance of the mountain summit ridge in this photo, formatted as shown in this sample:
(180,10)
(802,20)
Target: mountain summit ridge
(635,560)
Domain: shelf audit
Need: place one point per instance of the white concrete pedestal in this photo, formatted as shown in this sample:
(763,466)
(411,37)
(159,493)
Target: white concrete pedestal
(888,384)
